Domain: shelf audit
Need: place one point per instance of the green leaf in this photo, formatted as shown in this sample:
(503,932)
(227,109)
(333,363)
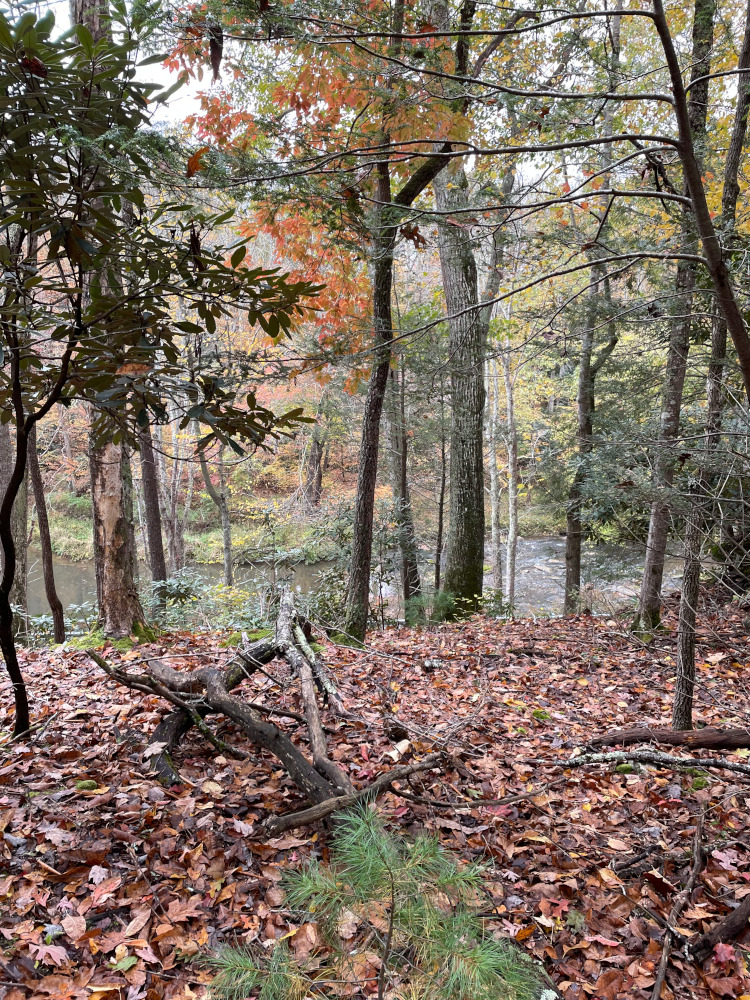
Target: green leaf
(125,963)
(85,37)
(238,256)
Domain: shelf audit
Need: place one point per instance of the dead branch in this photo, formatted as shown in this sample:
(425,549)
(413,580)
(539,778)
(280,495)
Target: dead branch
(709,738)
(679,905)
(301,666)
(209,689)
(322,678)
(175,726)
(278,824)
(663,760)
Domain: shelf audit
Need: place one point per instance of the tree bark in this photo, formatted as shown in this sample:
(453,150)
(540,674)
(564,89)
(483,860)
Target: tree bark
(511,444)
(698,522)
(119,607)
(493,438)
(152,506)
(441,491)
(585,444)
(467,344)
(709,738)
(19,529)
(219,497)
(45,541)
(314,482)
(411,586)
(384,241)
(649,610)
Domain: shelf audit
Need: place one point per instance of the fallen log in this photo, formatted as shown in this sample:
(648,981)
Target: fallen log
(663,760)
(726,930)
(709,738)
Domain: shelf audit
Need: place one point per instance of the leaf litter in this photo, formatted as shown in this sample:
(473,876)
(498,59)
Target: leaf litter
(112,887)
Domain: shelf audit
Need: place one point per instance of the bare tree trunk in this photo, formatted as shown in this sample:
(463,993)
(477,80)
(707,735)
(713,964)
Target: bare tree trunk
(467,346)
(584,433)
(410,583)
(441,492)
(699,508)
(220,498)
(314,480)
(67,448)
(649,610)
(55,604)
(152,506)
(19,529)
(120,610)
(493,439)
(511,443)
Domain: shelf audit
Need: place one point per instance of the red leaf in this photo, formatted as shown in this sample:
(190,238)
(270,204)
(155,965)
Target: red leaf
(724,953)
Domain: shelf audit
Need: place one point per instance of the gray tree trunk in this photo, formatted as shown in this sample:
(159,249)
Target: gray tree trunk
(411,586)
(649,609)
(120,609)
(466,347)
(511,444)
(493,440)
(588,368)
(699,516)
(45,541)
(152,508)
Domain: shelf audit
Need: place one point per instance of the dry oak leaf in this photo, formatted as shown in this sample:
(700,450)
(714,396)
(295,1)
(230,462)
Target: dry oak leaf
(304,941)
(74,926)
(178,911)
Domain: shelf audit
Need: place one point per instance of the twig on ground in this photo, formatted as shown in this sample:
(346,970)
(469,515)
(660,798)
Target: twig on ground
(472,803)
(679,905)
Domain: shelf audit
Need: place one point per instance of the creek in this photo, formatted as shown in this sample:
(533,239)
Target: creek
(612,572)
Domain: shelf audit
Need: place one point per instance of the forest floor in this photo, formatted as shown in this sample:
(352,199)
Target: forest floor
(116,889)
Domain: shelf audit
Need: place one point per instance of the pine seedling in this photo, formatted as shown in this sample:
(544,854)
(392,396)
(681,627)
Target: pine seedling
(417,907)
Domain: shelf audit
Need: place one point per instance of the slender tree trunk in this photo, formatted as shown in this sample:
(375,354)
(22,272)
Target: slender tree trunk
(45,541)
(219,497)
(67,448)
(511,443)
(9,492)
(441,492)
(120,609)
(358,597)
(467,346)
(411,586)
(314,479)
(495,491)
(699,516)
(151,506)
(19,529)
(584,441)
(664,459)
(649,610)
